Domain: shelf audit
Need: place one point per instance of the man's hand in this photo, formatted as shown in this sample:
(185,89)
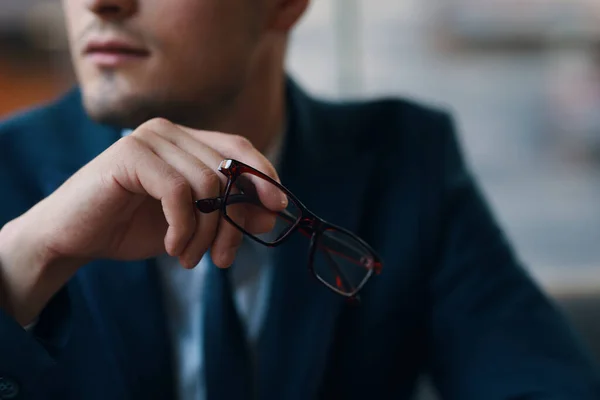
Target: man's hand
(133,201)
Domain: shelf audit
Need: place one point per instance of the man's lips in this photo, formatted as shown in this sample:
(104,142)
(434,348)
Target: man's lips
(112,52)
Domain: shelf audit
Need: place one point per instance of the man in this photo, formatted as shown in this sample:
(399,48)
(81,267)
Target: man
(98,217)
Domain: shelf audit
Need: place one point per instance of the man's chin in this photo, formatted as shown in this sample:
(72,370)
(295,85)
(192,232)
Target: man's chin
(118,112)
(130,111)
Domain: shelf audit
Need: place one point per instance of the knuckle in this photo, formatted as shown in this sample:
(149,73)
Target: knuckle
(157,124)
(209,180)
(143,134)
(131,144)
(178,185)
(241,143)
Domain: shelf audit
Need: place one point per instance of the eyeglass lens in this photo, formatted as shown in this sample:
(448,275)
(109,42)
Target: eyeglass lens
(339,260)
(342,262)
(248,212)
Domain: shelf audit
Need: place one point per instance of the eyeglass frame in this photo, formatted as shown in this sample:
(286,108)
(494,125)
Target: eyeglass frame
(308,222)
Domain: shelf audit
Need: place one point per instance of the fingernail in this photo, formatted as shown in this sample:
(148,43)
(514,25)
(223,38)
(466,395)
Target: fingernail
(284,199)
(229,256)
(190,263)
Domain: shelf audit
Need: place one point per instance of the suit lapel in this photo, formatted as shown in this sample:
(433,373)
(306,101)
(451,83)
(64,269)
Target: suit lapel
(125,298)
(300,323)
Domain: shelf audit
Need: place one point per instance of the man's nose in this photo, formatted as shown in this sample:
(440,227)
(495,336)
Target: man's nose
(113,9)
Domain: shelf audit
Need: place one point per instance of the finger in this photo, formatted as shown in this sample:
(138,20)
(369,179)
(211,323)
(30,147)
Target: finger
(261,221)
(240,148)
(236,147)
(229,237)
(146,173)
(204,183)
(183,140)
(270,196)
(257,218)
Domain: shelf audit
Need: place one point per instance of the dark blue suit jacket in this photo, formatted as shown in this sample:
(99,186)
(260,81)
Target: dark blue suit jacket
(452,300)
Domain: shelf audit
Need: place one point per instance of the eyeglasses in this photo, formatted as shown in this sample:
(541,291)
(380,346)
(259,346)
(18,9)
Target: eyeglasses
(339,259)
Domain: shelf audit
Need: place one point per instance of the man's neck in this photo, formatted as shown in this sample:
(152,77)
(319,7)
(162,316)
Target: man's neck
(258,112)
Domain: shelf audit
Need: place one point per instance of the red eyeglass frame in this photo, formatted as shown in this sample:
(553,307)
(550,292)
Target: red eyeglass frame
(308,223)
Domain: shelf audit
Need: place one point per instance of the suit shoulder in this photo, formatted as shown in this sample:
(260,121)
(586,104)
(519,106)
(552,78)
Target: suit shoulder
(30,137)
(28,143)
(391,123)
(36,119)
(394,109)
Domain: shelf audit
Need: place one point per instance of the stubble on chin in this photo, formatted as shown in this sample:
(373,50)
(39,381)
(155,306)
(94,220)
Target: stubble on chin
(108,103)
(114,102)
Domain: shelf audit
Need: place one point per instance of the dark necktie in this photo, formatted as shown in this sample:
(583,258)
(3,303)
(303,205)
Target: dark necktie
(228,363)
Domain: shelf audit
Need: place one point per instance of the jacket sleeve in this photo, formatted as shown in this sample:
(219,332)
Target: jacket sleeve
(28,359)
(493,333)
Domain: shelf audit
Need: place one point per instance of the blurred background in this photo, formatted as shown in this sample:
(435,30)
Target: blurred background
(522,78)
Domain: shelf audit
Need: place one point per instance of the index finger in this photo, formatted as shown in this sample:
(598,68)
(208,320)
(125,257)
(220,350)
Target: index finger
(236,147)
(241,149)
